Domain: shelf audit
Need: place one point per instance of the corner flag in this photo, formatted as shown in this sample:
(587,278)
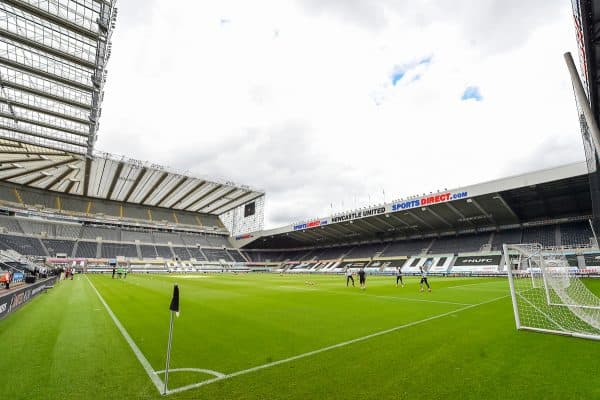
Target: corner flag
(174,307)
(175,301)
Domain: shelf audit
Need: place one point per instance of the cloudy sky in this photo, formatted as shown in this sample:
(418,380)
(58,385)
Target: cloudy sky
(332,104)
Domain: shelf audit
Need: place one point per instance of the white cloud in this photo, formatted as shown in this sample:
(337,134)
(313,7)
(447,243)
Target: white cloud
(282,95)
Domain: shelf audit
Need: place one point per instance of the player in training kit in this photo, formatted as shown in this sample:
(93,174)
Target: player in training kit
(399,277)
(349,277)
(424,280)
(362,278)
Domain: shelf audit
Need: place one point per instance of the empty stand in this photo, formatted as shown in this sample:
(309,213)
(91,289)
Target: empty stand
(148,251)
(164,252)
(33,227)
(132,236)
(576,233)
(25,245)
(92,232)
(68,230)
(166,237)
(216,255)
(218,241)
(196,253)
(406,248)
(366,250)
(10,224)
(459,244)
(544,235)
(114,250)
(236,256)
(182,253)
(86,249)
(59,246)
(510,236)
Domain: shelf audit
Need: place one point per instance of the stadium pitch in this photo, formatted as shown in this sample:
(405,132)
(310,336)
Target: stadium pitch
(258,336)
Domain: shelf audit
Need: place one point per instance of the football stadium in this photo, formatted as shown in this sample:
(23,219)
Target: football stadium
(127,279)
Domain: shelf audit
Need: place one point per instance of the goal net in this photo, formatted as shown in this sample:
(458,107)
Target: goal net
(547,294)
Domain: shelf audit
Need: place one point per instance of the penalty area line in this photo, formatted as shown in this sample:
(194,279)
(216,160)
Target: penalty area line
(332,347)
(136,350)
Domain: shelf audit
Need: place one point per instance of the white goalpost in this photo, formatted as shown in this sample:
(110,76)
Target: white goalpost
(547,295)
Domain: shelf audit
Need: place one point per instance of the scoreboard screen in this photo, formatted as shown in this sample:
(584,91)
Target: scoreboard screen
(249,209)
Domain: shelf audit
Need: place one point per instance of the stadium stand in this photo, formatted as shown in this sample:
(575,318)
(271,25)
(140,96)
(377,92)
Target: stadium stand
(114,250)
(235,255)
(196,253)
(194,239)
(166,237)
(545,235)
(459,244)
(148,251)
(68,230)
(332,253)
(182,253)
(93,232)
(218,241)
(575,233)
(24,245)
(164,252)
(32,227)
(366,250)
(510,236)
(59,246)
(86,249)
(406,248)
(216,255)
(10,225)
(20,196)
(132,236)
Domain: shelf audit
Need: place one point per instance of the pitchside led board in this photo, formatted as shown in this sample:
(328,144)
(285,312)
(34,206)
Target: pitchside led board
(249,209)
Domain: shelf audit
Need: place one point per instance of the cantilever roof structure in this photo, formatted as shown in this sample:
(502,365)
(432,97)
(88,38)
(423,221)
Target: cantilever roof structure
(53,56)
(111,177)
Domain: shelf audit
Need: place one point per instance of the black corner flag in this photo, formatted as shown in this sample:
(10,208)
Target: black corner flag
(174,307)
(175,300)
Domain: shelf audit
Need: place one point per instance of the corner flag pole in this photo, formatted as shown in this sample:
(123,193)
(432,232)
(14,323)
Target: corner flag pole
(174,307)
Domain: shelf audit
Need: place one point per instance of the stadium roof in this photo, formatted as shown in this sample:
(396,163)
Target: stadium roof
(53,57)
(111,177)
(539,196)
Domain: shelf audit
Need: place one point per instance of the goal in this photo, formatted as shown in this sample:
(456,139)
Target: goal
(547,294)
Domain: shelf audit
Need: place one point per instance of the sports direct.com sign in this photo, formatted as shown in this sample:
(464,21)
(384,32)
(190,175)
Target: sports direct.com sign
(429,200)
(394,207)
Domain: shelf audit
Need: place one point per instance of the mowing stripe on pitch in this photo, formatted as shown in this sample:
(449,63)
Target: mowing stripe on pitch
(332,347)
(136,350)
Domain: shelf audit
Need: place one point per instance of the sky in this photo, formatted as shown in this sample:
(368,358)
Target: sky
(330,105)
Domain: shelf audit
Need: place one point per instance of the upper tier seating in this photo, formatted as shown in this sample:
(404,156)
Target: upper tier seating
(24,245)
(86,249)
(216,255)
(406,248)
(182,253)
(114,250)
(59,246)
(510,236)
(544,235)
(10,224)
(459,244)
(576,233)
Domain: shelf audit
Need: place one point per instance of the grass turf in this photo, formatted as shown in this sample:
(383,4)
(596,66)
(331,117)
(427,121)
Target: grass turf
(63,345)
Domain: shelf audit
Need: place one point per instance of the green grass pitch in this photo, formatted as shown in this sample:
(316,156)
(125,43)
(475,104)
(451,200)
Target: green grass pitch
(457,342)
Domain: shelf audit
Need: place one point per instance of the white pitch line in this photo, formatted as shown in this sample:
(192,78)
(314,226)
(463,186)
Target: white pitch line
(204,371)
(138,353)
(321,350)
(423,300)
